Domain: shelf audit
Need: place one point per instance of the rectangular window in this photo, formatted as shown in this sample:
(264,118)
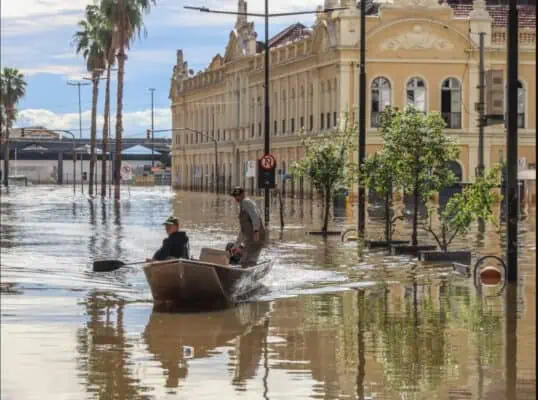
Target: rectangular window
(311,127)
(252,130)
(302,123)
(283,126)
(334,118)
(292,125)
(328,120)
(276,127)
(259,128)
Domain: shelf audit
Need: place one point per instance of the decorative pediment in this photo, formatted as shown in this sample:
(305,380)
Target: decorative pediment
(324,37)
(232,49)
(416,39)
(216,63)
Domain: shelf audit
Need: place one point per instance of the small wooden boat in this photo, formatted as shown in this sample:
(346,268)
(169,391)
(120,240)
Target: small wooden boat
(207,282)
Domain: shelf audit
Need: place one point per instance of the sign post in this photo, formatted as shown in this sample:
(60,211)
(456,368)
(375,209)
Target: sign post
(126,173)
(266,172)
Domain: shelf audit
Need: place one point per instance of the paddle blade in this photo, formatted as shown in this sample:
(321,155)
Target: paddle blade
(107,265)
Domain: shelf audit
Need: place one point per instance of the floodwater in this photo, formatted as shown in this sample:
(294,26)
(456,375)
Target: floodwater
(333,322)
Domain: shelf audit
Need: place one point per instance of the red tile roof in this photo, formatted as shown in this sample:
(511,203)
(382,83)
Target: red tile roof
(290,34)
(499,13)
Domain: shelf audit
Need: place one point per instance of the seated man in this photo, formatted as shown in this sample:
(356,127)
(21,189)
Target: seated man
(176,245)
(234,253)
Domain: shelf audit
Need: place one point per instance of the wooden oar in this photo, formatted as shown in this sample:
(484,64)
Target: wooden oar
(111,265)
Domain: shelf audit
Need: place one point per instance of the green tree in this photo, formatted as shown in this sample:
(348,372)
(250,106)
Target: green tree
(126,18)
(89,42)
(423,154)
(474,203)
(379,174)
(12,90)
(328,163)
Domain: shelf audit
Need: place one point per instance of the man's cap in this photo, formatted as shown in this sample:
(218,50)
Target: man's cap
(171,221)
(237,191)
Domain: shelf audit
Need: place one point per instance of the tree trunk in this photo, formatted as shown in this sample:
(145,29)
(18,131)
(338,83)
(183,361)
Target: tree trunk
(119,104)
(387,218)
(281,210)
(415,212)
(106,127)
(6,158)
(327,208)
(93,135)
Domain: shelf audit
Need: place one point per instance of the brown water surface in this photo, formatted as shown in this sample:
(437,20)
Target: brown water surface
(331,322)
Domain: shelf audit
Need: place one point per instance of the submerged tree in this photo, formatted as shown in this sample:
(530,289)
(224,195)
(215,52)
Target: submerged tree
(328,163)
(423,154)
(12,90)
(474,203)
(127,20)
(379,174)
(90,42)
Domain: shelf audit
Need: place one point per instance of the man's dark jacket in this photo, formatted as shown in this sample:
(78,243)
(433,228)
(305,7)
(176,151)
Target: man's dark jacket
(175,245)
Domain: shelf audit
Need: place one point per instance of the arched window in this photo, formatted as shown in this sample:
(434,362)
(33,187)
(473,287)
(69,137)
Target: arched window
(416,94)
(381,93)
(520,105)
(451,103)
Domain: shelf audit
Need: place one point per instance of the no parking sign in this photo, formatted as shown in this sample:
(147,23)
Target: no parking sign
(126,172)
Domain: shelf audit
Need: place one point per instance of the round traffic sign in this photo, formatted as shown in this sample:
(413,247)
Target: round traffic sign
(268,162)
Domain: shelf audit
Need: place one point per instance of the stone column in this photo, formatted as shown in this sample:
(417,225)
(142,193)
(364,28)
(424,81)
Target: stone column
(344,100)
(316,100)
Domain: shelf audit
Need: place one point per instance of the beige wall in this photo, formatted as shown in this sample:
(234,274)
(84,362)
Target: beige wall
(319,74)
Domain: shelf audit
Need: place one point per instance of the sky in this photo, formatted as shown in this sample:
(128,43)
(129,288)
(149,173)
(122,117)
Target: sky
(36,38)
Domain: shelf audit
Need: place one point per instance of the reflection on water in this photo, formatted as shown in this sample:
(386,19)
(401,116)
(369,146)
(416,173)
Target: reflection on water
(330,324)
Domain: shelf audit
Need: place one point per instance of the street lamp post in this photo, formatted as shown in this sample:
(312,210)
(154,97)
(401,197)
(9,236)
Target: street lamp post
(152,90)
(79,84)
(266,15)
(511,195)
(215,142)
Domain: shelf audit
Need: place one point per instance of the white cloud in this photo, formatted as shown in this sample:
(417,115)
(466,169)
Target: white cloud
(135,123)
(70,71)
(32,24)
(29,8)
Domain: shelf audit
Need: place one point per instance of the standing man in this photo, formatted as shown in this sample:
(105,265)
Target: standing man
(176,245)
(252,235)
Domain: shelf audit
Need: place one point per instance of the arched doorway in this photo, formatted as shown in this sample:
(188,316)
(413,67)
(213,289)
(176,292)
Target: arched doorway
(448,192)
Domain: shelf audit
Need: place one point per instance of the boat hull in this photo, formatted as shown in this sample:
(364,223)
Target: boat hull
(189,283)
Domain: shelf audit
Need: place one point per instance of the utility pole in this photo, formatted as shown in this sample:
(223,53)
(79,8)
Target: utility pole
(481,107)
(267,144)
(511,195)
(79,84)
(362,120)
(152,90)
(266,16)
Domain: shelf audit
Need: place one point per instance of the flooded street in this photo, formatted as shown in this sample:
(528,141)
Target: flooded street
(330,323)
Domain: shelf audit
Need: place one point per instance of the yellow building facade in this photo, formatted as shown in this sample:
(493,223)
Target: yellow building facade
(418,52)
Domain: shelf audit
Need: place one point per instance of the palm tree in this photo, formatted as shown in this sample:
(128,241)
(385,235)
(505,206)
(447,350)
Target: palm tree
(109,48)
(12,90)
(126,16)
(89,42)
